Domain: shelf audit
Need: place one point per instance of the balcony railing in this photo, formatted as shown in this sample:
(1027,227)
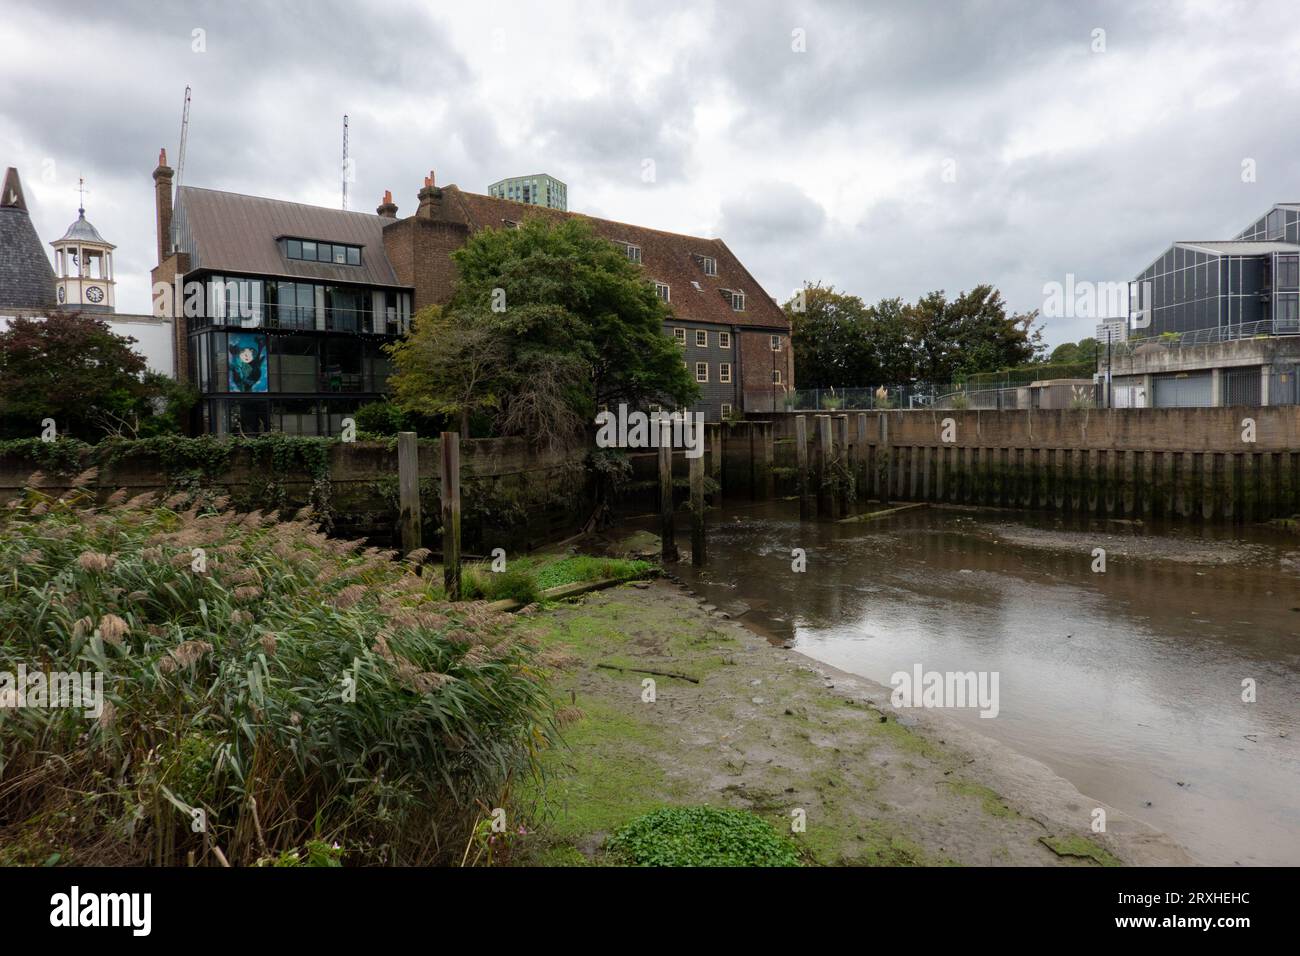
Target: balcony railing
(302,318)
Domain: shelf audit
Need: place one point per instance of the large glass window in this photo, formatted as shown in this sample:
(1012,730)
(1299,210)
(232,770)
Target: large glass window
(1288,272)
(295,305)
(341,366)
(347,309)
(294,363)
(295,416)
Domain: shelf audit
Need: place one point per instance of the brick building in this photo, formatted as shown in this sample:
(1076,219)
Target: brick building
(297,301)
(735,339)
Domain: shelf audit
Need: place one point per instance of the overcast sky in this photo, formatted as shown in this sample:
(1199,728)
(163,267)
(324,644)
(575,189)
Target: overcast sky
(906,147)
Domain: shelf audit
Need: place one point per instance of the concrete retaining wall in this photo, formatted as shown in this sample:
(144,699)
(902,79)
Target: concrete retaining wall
(1177,462)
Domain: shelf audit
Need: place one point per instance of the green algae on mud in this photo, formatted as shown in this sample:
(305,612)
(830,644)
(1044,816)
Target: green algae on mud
(764,731)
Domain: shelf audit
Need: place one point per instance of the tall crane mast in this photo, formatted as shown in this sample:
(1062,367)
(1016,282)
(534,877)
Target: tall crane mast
(344,172)
(180,164)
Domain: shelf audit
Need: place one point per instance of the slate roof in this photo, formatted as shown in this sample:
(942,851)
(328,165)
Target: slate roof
(26,276)
(668,257)
(234,233)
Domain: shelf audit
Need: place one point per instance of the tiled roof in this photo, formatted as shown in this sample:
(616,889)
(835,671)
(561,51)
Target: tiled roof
(667,257)
(230,232)
(26,276)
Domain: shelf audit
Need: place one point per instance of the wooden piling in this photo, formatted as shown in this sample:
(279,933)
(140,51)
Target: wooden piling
(801,460)
(449,482)
(667,537)
(408,490)
(697,511)
(844,461)
(825,470)
(861,458)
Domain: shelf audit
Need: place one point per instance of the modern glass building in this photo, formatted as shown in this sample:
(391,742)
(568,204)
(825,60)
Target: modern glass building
(538,190)
(1230,289)
(287,309)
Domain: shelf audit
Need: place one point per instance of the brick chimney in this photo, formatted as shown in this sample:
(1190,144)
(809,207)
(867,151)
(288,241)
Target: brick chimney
(387,208)
(430,199)
(162,178)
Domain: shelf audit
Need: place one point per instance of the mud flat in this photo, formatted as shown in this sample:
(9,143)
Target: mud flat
(1114,537)
(770,730)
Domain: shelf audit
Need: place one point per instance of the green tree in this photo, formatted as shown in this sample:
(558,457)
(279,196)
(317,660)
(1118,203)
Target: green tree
(828,331)
(547,321)
(72,368)
(564,290)
(888,337)
(446,367)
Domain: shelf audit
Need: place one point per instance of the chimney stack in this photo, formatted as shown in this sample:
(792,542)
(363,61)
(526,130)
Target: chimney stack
(162,178)
(430,198)
(387,208)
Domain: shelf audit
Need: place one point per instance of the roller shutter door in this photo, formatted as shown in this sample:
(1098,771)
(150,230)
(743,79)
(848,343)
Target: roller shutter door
(1183,390)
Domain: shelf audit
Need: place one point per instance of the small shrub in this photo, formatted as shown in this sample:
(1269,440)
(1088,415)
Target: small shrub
(380,418)
(515,582)
(701,836)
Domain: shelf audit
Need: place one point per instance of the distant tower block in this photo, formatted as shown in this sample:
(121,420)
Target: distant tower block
(538,190)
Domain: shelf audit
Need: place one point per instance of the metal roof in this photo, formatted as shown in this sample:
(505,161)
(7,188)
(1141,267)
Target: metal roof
(234,233)
(83,231)
(1240,247)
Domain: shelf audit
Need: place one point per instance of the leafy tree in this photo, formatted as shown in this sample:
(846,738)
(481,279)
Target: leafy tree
(828,331)
(888,337)
(446,367)
(72,368)
(988,338)
(1085,350)
(547,321)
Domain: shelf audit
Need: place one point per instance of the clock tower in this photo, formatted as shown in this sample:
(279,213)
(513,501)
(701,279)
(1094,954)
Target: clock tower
(83,268)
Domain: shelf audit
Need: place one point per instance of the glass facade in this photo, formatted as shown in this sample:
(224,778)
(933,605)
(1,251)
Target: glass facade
(271,354)
(1231,291)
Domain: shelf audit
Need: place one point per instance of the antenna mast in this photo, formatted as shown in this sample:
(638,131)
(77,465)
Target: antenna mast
(344,167)
(180,162)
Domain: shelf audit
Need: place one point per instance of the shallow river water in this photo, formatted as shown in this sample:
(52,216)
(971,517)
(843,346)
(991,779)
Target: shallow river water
(1128,683)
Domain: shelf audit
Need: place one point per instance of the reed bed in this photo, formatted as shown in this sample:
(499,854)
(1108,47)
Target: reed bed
(269,691)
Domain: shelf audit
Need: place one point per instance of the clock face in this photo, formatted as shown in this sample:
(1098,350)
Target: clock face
(62,295)
(95,294)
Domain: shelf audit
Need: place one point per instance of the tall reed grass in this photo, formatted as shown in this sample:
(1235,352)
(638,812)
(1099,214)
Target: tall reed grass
(296,690)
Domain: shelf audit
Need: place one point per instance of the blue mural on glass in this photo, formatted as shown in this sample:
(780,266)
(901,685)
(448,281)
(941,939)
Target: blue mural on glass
(247,362)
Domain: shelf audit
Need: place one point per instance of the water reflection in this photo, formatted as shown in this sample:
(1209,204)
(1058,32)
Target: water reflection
(1127,683)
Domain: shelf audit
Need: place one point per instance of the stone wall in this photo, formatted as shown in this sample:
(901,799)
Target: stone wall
(513,496)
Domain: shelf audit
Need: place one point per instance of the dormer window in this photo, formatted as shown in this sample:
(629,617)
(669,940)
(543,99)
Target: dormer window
(311,250)
(708,264)
(737,302)
(662,290)
(633,252)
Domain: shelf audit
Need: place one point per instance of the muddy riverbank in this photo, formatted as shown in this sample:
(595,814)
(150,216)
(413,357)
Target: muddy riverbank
(1129,683)
(773,731)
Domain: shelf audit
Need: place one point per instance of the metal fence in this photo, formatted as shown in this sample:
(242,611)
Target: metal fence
(860,399)
(1178,340)
(1031,395)
(1284,385)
